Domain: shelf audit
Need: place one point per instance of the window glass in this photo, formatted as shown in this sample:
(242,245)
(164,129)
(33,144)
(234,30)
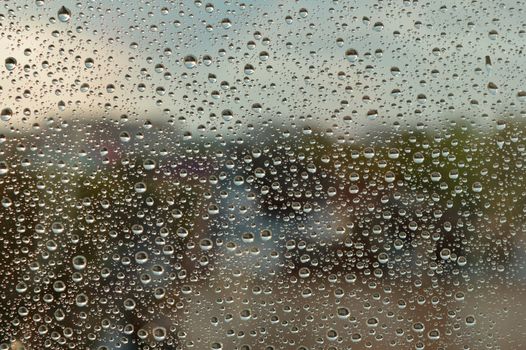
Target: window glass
(223,174)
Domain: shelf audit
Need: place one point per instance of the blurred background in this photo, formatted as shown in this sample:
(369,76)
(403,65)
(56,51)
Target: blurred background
(262,175)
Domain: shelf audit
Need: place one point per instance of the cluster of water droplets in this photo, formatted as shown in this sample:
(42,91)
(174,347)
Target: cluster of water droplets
(253,175)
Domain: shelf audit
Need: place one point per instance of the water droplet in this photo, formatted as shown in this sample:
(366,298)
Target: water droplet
(64,14)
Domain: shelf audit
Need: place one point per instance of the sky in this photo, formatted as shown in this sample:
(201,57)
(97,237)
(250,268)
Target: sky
(434,55)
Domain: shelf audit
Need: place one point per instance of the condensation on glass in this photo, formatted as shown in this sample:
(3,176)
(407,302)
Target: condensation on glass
(262,174)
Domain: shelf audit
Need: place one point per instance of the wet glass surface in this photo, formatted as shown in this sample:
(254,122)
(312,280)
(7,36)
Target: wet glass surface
(262,174)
